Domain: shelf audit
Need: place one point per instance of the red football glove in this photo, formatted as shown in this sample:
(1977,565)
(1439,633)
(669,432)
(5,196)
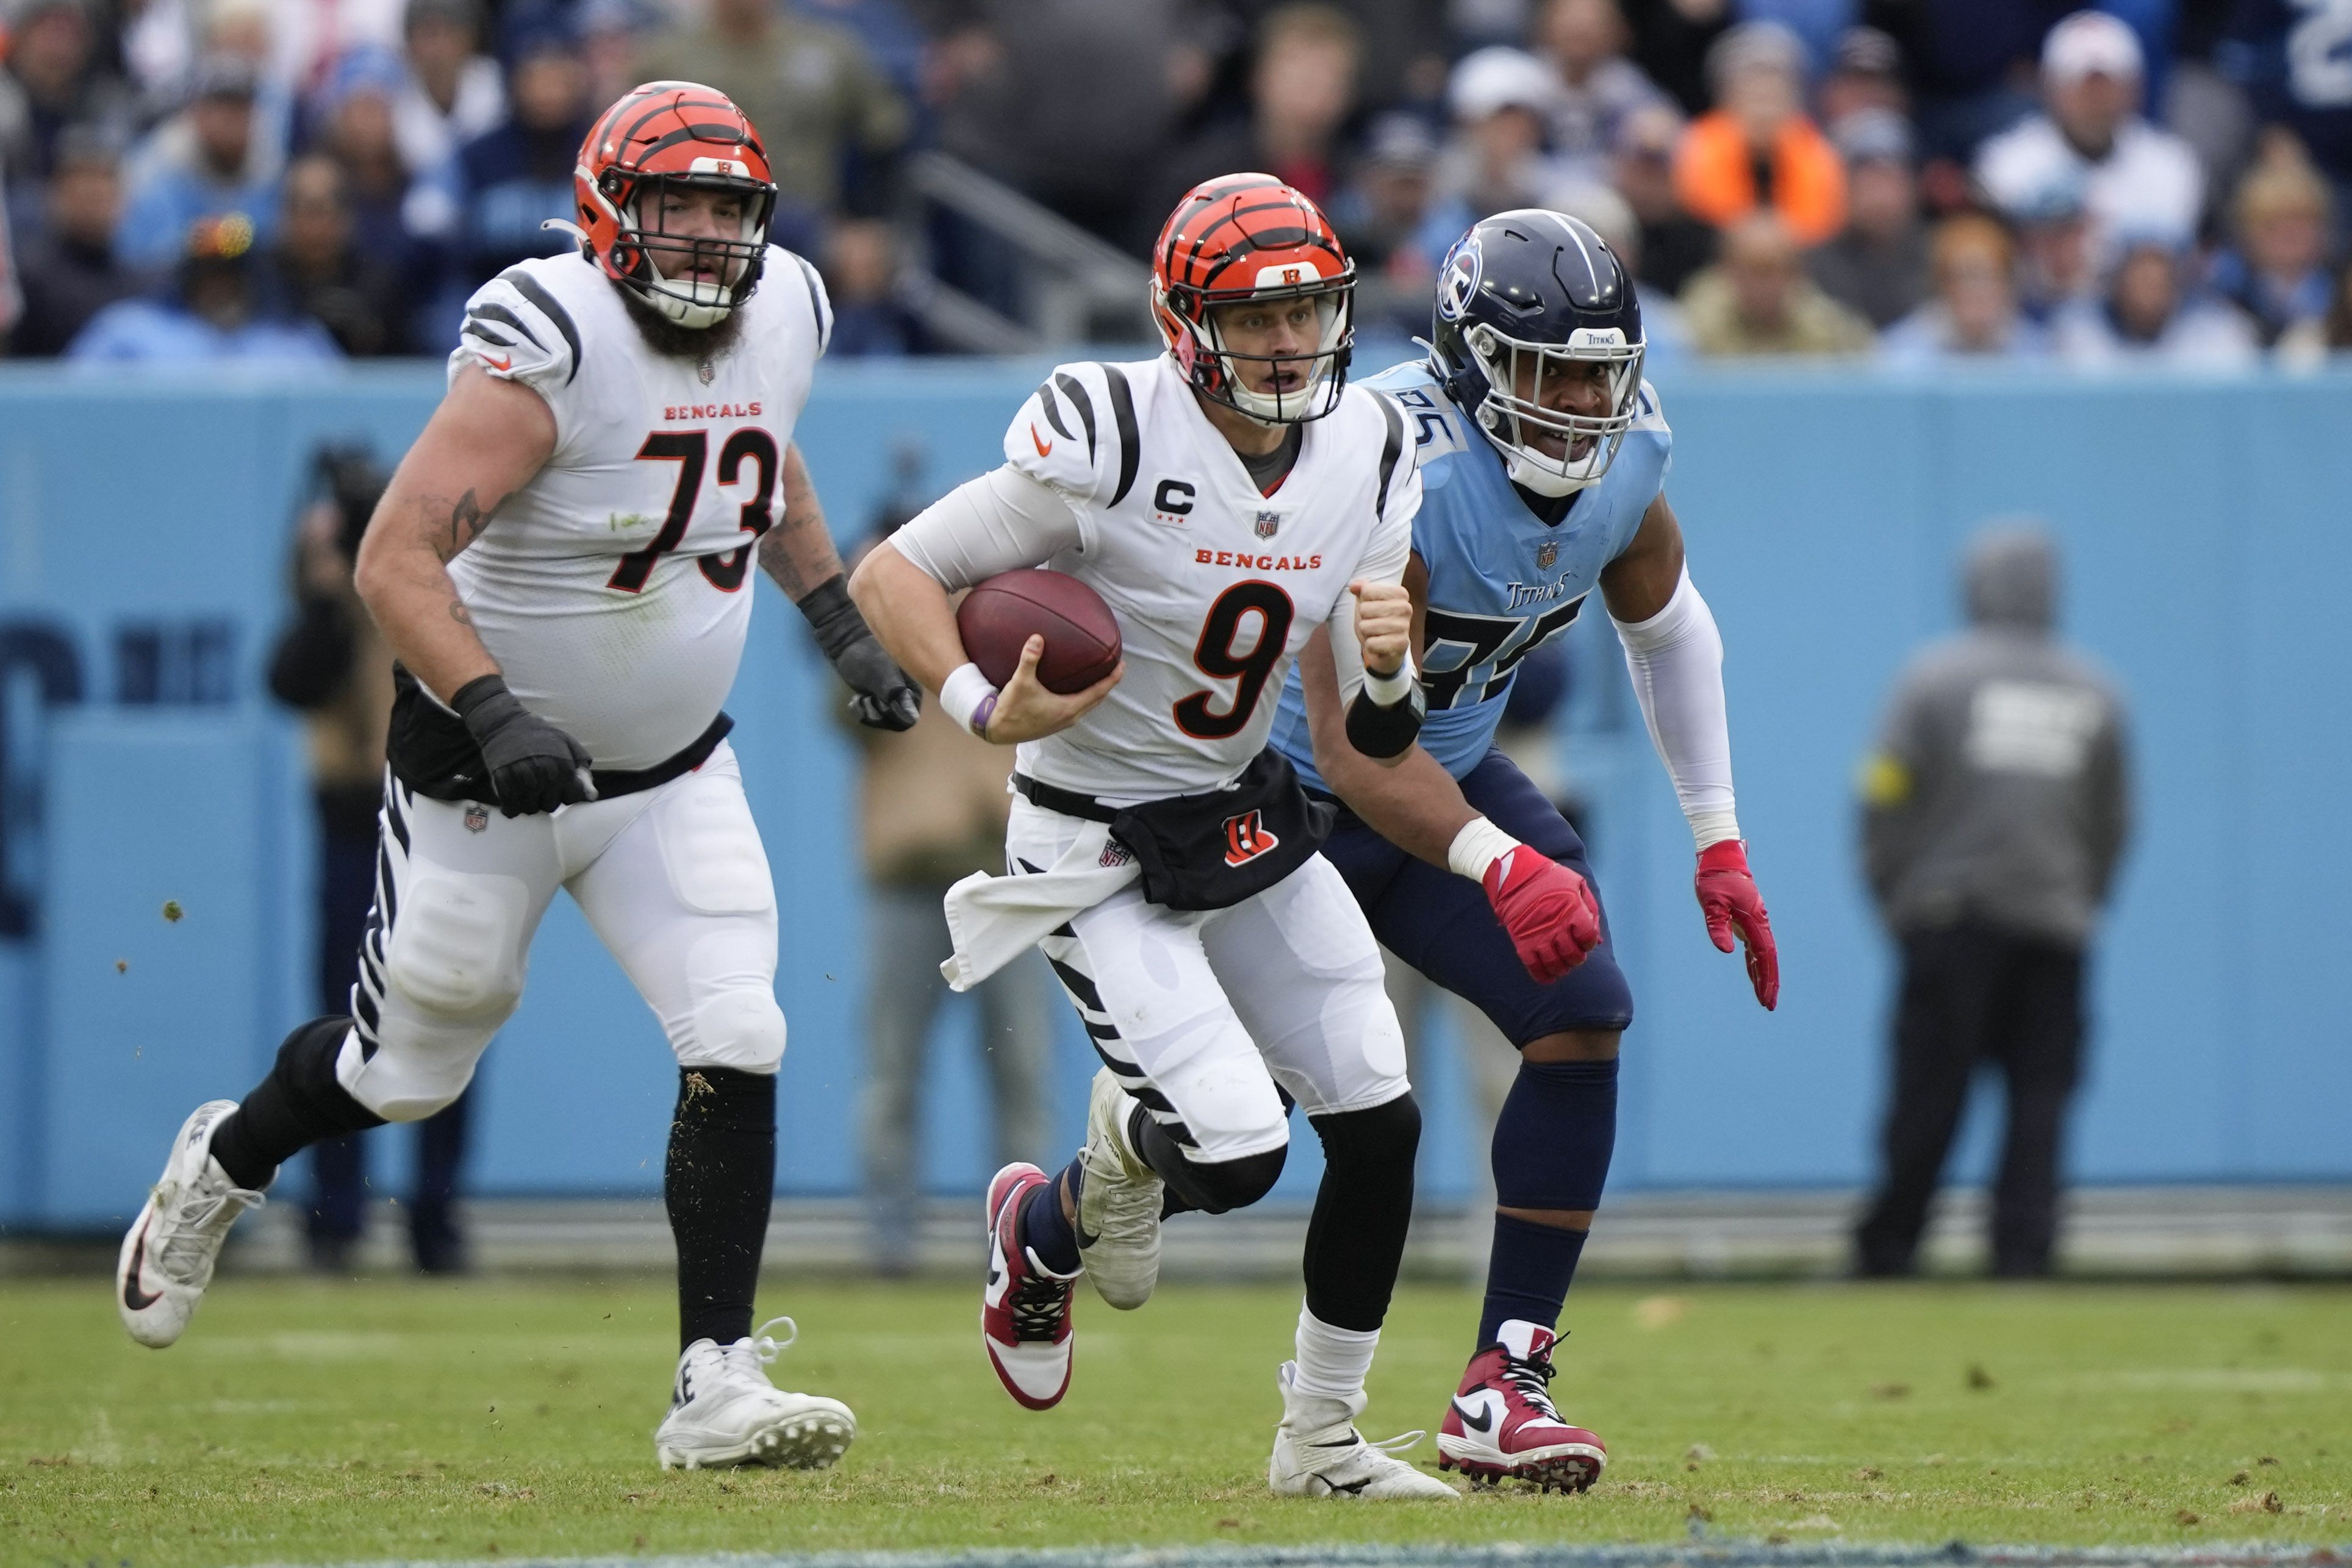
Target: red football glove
(1727,897)
(1547,908)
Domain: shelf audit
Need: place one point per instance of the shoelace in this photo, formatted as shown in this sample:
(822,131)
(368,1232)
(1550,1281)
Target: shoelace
(753,1356)
(1530,1377)
(186,1255)
(745,1359)
(1387,1448)
(1037,1304)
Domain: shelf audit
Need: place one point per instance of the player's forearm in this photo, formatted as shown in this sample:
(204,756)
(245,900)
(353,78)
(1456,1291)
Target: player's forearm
(1371,653)
(1409,801)
(909,614)
(799,552)
(1413,802)
(404,578)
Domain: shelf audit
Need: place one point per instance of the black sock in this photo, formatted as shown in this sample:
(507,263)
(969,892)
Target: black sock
(1042,1228)
(300,1104)
(1355,1243)
(717,1182)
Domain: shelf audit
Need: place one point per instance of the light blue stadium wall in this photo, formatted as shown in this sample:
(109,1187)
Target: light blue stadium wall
(2206,530)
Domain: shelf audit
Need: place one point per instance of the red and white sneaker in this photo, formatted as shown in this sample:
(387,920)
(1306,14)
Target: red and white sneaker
(1502,1424)
(1024,1311)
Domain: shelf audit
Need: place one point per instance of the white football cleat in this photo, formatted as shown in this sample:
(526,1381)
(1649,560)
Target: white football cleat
(1317,1452)
(724,1412)
(1118,1202)
(169,1251)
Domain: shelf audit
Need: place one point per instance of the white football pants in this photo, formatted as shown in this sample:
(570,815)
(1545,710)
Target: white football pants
(1200,1014)
(673,879)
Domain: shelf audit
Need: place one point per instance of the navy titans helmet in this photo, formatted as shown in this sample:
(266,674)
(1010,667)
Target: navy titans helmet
(1524,298)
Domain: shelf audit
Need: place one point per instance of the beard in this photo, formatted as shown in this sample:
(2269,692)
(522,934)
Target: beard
(668,338)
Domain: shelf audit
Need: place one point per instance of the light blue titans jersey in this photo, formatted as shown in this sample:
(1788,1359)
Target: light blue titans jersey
(1502,581)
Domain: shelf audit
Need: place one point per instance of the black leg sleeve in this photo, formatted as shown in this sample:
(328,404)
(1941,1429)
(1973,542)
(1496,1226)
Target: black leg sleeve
(300,1104)
(717,1182)
(1209,1187)
(1355,1243)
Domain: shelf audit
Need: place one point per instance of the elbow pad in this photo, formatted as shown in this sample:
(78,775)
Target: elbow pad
(1386,732)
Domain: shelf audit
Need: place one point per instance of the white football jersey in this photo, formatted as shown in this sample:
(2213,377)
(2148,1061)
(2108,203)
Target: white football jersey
(615,588)
(1215,586)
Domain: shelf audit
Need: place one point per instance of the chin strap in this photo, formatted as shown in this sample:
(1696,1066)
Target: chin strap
(568,226)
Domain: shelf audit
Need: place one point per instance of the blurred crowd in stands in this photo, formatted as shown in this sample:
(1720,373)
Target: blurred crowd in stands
(1929,181)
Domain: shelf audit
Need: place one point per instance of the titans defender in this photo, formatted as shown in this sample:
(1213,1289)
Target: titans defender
(1543,456)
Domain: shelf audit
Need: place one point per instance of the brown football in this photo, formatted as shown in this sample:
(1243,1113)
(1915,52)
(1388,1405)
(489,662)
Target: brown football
(1000,615)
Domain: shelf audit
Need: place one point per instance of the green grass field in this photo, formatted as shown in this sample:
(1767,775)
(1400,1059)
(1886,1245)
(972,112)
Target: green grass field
(319,1423)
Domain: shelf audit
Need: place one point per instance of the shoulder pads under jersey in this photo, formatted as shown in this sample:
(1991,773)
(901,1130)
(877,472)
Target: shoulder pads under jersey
(1077,433)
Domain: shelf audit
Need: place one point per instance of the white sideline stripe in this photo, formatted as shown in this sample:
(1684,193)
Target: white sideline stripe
(1700,1552)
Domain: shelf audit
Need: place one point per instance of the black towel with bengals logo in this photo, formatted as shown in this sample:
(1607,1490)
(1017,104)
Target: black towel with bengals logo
(1214,849)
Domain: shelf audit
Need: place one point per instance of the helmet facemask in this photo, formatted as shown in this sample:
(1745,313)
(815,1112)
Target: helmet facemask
(1217,370)
(1522,427)
(655,264)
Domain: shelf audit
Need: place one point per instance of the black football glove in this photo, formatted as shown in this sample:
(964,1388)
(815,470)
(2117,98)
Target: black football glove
(882,696)
(533,766)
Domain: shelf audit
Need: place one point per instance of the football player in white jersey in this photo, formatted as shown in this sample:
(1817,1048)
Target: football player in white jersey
(560,564)
(1229,500)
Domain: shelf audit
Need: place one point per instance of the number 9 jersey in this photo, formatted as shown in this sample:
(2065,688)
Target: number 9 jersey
(1214,583)
(614,587)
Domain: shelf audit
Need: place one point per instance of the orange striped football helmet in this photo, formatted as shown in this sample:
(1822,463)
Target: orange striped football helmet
(657,140)
(1251,238)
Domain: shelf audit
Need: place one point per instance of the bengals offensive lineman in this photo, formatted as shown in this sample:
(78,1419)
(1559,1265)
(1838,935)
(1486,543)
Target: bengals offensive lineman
(562,565)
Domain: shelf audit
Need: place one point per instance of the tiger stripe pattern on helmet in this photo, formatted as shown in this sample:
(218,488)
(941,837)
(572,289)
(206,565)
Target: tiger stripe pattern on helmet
(665,133)
(1251,237)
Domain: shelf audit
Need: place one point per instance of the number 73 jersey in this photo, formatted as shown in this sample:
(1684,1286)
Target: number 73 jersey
(1502,581)
(1216,585)
(614,589)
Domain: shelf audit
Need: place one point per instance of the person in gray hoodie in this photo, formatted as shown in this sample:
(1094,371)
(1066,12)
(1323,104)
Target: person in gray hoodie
(1995,811)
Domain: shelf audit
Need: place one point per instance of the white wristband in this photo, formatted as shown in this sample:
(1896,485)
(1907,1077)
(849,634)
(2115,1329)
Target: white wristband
(1713,826)
(1478,846)
(1394,687)
(967,697)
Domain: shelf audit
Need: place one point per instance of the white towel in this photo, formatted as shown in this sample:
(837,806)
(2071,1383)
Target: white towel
(995,919)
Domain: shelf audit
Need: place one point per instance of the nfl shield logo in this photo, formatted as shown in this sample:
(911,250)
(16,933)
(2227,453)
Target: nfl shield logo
(1547,553)
(1266,524)
(478,817)
(706,371)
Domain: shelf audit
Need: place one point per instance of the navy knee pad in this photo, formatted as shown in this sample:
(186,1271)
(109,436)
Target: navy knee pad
(1555,1136)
